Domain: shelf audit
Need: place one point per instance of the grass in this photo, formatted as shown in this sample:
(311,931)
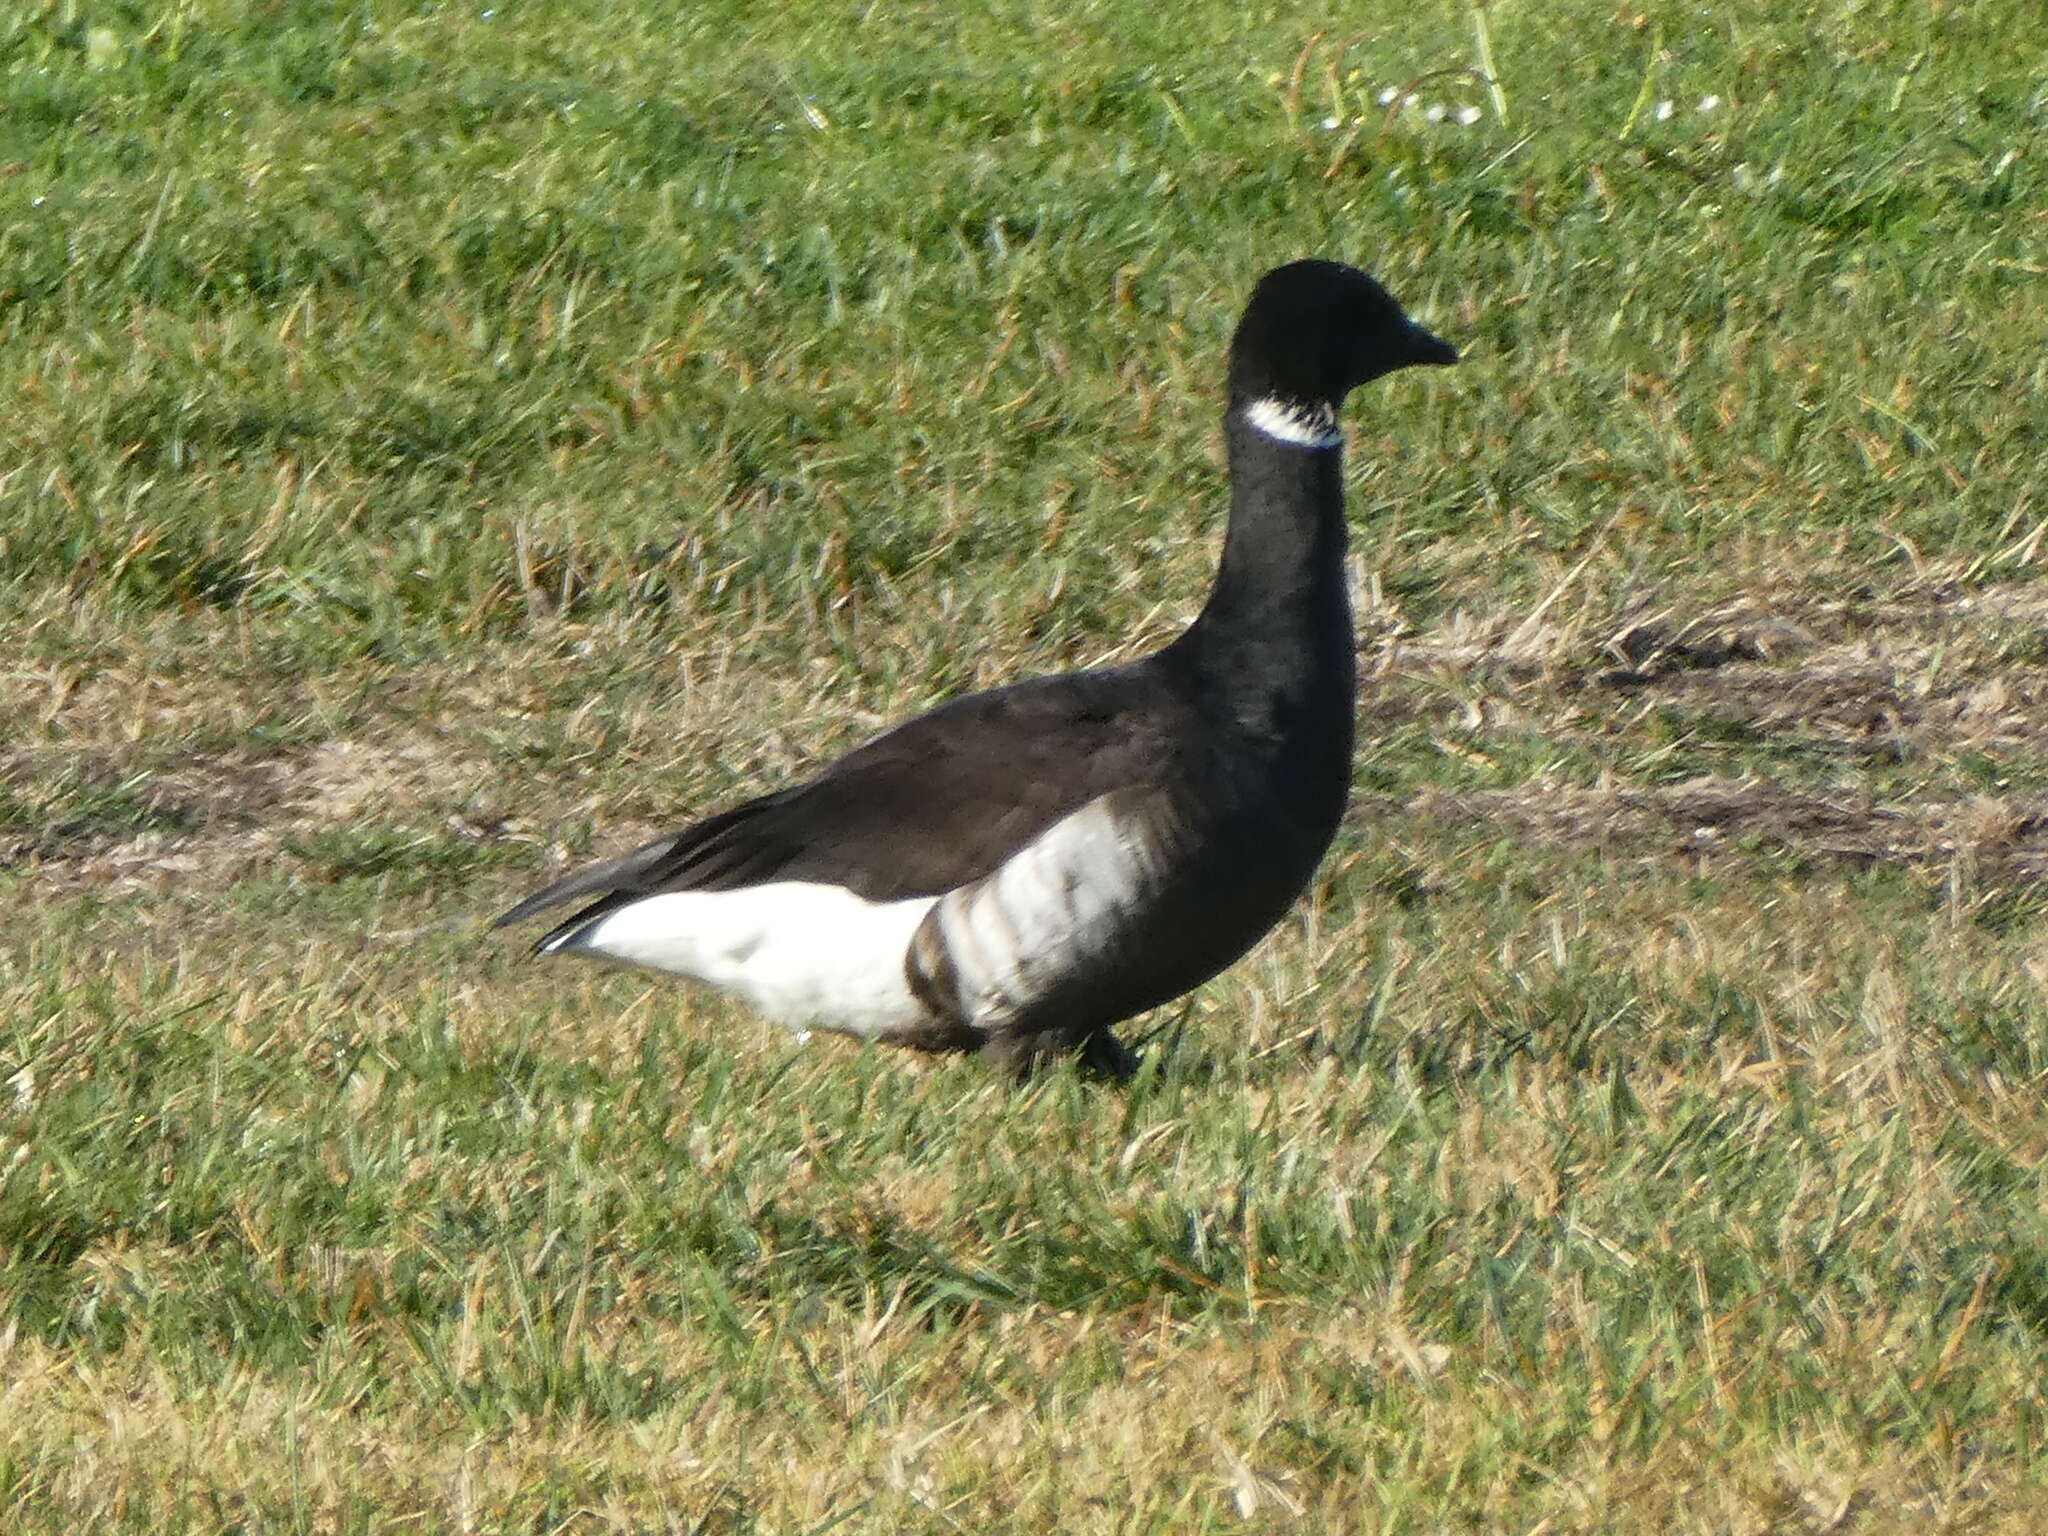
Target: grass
(444,439)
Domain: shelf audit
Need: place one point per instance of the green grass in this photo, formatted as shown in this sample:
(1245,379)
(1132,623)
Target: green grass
(444,438)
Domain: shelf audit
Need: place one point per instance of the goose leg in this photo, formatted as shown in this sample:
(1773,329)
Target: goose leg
(1103,1055)
(1100,1053)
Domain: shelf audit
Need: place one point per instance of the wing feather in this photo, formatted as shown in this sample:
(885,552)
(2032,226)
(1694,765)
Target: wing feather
(937,802)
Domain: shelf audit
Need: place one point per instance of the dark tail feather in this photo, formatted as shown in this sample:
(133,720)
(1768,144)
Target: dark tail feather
(598,879)
(570,926)
(691,859)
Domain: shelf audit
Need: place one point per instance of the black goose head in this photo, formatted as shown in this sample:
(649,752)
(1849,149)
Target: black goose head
(1314,331)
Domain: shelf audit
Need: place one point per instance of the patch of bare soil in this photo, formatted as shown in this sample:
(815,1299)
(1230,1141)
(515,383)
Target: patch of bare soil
(1886,699)
(1928,674)
(1992,834)
(1936,669)
(1978,653)
(221,817)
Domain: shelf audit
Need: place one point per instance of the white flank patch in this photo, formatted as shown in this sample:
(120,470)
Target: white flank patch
(1054,910)
(804,954)
(1297,425)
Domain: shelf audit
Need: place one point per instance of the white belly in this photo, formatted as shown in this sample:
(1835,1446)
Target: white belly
(806,955)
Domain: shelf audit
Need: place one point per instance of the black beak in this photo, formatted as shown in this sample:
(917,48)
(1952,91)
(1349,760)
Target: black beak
(1427,347)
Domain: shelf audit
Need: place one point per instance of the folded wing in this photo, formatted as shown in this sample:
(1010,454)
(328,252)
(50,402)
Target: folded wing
(938,802)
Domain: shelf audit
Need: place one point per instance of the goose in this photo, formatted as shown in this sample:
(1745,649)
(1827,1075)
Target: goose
(1017,871)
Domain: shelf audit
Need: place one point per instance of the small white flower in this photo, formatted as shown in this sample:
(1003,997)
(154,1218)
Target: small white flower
(1663,112)
(1329,124)
(1434,112)
(1468,115)
(1709,103)
(1386,98)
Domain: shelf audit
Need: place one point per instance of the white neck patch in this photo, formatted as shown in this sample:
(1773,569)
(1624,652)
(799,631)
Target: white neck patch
(1293,423)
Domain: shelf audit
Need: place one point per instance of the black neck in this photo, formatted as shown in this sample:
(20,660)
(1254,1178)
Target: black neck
(1276,631)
